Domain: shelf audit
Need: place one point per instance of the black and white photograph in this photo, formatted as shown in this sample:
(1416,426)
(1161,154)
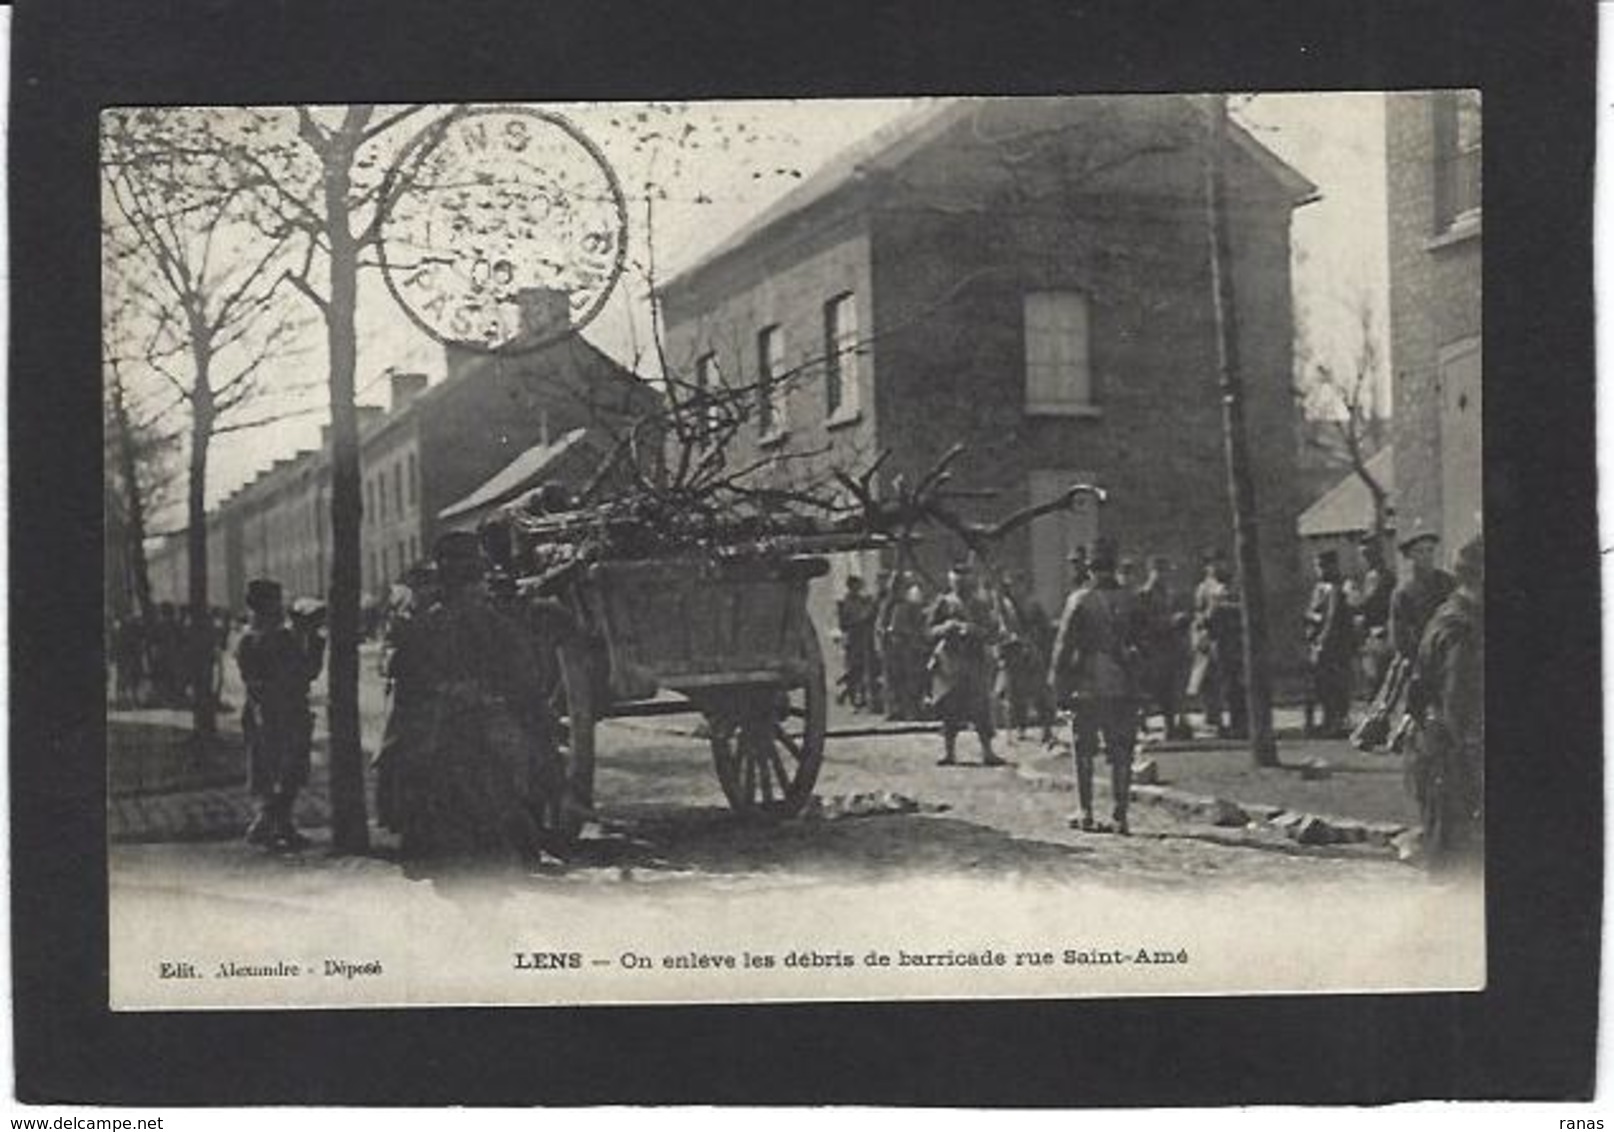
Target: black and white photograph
(775,550)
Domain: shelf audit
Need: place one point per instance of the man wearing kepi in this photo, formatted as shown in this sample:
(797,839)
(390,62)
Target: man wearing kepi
(1447,698)
(277,666)
(963,628)
(1420,593)
(472,771)
(1093,671)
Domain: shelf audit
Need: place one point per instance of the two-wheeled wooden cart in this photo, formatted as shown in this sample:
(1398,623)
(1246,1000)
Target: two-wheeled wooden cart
(729,639)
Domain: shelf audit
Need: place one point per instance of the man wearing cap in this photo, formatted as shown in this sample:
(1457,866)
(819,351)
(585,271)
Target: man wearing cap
(1420,593)
(277,666)
(1094,671)
(1331,647)
(472,774)
(1447,698)
(962,630)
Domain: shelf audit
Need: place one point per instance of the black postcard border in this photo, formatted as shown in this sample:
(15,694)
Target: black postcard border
(1531,1034)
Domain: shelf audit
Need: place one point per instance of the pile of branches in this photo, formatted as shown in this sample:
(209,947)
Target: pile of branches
(733,520)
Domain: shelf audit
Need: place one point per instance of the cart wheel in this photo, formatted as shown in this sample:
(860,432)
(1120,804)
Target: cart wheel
(573,707)
(769,745)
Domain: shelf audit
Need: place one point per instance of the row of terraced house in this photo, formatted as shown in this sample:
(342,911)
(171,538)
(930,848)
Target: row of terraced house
(435,445)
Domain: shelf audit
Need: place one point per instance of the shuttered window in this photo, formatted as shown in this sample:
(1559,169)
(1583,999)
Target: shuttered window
(1058,365)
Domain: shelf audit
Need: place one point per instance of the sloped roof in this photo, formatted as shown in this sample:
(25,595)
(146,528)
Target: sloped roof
(893,143)
(1347,507)
(516,476)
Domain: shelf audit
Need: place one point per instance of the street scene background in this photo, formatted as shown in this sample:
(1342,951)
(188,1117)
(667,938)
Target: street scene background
(744,249)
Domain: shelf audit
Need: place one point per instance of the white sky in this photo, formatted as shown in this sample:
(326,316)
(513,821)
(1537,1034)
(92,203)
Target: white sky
(1336,140)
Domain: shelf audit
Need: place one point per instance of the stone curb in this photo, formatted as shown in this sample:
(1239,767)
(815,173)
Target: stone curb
(1301,827)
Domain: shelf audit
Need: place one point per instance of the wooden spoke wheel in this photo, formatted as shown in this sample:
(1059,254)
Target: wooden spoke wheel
(573,706)
(768,742)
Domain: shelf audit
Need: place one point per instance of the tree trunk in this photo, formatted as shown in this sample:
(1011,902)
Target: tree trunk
(350,829)
(134,506)
(1241,487)
(197,660)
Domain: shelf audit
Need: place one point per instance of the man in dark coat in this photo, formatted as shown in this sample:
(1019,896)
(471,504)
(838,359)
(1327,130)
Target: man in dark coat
(855,613)
(1447,698)
(1331,648)
(962,628)
(1371,609)
(902,646)
(1419,594)
(470,765)
(277,665)
(1022,664)
(1094,671)
(1164,649)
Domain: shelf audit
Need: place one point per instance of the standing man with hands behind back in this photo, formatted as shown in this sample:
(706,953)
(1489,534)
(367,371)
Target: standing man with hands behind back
(1093,670)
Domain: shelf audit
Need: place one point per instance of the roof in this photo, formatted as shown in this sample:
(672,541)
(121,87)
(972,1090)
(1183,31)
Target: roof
(516,476)
(1347,507)
(893,143)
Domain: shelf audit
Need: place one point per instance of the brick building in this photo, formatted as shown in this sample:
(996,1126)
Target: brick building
(1030,277)
(431,447)
(1433,157)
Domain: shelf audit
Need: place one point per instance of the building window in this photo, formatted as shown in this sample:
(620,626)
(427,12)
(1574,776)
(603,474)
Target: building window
(371,583)
(386,565)
(770,382)
(414,480)
(1059,376)
(840,357)
(369,502)
(708,387)
(1457,138)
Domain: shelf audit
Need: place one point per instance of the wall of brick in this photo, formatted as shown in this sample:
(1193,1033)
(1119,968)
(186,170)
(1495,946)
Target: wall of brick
(1435,300)
(952,365)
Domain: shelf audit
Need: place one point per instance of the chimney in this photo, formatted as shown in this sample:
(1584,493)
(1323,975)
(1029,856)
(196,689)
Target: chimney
(405,388)
(369,417)
(545,311)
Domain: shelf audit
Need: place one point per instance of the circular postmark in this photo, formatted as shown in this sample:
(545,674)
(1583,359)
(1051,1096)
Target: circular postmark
(504,230)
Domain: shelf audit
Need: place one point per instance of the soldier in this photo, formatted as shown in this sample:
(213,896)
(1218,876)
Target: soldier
(129,655)
(962,628)
(468,695)
(277,665)
(1371,610)
(1331,648)
(405,717)
(1080,575)
(1163,649)
(1020,664)
(1447,698)
(1205,679)
(903,636)
(855,614)
(1093,670)
(1419,594)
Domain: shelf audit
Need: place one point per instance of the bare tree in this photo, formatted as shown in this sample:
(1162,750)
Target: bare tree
(1343,403)
(198,287)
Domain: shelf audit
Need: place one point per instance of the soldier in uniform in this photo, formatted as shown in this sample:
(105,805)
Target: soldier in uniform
(1371,609)
(855,614)
(962,628)
(1331,648)
(1419,594)
(1093,670)
(1447,698)
(1163,648)
(277,665)
(1022,665)
(471,693)
(903,639)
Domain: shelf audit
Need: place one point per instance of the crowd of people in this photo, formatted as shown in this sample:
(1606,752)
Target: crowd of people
(467,770)
(983,655)
(152,659)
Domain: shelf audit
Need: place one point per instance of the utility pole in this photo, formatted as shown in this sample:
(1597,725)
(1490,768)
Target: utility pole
(1241,488)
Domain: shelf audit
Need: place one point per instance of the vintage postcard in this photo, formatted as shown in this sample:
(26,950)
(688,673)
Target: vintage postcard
(729,551)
